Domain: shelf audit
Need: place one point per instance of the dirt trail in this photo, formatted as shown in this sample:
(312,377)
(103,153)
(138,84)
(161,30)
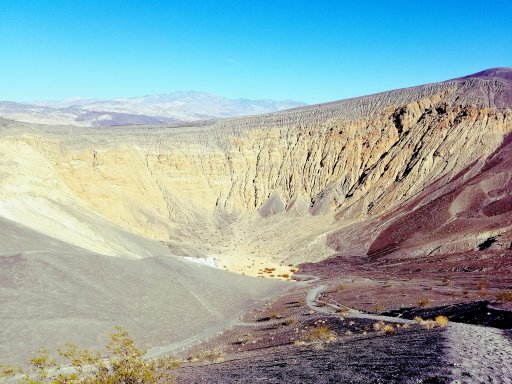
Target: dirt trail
(329,308)
(478,354)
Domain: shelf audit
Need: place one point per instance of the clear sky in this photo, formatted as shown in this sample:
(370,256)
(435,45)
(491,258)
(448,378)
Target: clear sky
(312,51)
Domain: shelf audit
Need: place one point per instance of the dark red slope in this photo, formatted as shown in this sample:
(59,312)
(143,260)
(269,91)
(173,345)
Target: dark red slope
(480,204)
(503,73)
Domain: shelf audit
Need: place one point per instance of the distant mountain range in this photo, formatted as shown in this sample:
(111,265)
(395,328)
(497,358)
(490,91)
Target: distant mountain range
(172,108)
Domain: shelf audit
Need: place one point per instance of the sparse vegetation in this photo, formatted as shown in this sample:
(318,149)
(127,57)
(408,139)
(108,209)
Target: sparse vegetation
(482,289)
(275,315)
(428,324)
(423,302)
(343,309)
(482,285)
(378,308)
(441,320)
(381,326)
(290,320)
(125,364)
(248,338)
(213,356)
(320,332)
(504,296)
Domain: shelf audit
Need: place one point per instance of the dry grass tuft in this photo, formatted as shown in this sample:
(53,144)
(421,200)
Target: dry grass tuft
(423,302)
(248,338)
(378,326)
(290,320)
(125,364)
(275,315)
(381,326)
(344,310)
(378,308)
(482,285)
(213,356)
(504,296)
(321,332)
(441,320)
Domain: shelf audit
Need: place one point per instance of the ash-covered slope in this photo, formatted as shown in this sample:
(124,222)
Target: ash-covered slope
(52,292)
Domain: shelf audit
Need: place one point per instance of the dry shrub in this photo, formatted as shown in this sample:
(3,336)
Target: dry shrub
(125,364)
(378,308)
(482,285)
(248,338)
(275,315)
(378,326)
(7,371)
(430,324)
(504,296)
(381,326)
(423,302)
(321,332)
(441,320)
(290,320)
(213,356)
(343,309)
(341,287)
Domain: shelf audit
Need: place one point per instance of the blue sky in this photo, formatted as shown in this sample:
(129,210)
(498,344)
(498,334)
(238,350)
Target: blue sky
(312,51)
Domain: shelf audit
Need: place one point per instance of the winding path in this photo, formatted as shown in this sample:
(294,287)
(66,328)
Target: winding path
(474,354)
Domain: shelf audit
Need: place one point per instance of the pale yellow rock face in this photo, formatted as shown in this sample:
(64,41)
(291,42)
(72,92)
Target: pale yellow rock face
(249,192)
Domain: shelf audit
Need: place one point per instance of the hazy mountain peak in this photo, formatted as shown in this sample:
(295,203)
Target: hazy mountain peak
(165,108)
